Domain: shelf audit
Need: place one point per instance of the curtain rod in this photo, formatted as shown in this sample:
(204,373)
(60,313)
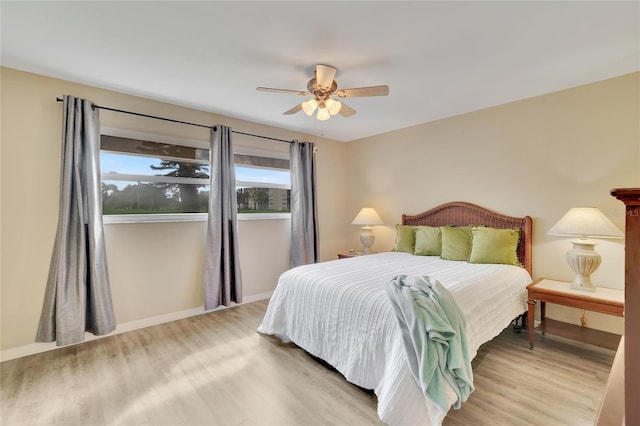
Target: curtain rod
(181,122)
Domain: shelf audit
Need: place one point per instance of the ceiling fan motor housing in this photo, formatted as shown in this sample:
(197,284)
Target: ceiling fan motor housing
(321,93)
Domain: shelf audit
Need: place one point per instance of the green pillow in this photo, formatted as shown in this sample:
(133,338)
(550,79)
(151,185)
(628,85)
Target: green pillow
(405,238)
(428,241)
(491,245)
(456,242)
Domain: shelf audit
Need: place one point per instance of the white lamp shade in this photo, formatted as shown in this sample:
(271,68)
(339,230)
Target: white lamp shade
(585,222)
(323,114)
(367,216)
(309,106)
(333,106)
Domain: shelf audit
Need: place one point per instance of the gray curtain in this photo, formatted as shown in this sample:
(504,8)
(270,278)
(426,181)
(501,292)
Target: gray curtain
(304,210)
(78,294)
(222,278)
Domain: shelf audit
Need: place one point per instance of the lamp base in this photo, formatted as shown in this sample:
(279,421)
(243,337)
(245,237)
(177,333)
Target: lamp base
(584,261)
(583,287)
(367,238)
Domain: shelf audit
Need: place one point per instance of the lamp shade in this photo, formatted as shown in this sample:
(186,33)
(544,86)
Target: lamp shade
(309,106)
(333,106)
(323,113)
(585,222)
(367,216)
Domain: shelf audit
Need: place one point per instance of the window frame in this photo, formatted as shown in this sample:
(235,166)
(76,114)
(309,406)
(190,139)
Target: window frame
(187,217)
(244,150)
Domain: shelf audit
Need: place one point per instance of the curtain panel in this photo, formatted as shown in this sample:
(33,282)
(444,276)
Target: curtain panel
(304,209)
(78,294)
(222,277)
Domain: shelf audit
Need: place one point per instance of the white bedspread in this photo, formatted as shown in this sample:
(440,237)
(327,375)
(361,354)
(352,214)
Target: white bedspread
(339,312)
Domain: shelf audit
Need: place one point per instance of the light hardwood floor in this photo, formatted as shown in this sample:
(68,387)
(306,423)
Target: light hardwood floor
(215,369)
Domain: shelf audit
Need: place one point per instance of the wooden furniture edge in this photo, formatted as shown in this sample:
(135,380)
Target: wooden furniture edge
(578,333)
(629,196)
(631,199)
(572,295)
(611,410)
(567,330)
(347,255)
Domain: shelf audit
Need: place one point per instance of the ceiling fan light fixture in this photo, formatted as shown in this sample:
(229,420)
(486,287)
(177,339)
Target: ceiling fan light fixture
(333,106)
(309,106)
(322,88)
(323,114)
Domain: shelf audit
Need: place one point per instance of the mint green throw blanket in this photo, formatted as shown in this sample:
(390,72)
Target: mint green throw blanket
(434,336)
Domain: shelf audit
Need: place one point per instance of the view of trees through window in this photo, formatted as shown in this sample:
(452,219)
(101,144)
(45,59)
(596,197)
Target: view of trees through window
(148,198)
(143,177)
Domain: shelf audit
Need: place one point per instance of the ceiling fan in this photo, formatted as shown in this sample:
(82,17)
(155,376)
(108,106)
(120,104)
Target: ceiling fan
(322,88)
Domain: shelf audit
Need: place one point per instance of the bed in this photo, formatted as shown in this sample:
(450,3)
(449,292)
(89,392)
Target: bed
(340,312)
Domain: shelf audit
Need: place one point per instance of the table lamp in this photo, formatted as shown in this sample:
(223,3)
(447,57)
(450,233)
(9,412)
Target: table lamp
(367,217)
(584,222)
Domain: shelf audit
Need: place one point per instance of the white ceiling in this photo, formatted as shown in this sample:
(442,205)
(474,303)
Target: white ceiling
(439,59)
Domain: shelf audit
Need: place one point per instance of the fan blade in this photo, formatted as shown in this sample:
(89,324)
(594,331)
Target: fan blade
(363,91)
(293,110)
(324,76)
(346,111)
(295,92)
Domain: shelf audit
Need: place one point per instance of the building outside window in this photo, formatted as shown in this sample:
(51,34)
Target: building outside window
(263,184)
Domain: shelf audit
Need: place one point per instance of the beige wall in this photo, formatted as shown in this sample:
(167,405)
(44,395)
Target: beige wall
(536,157)
(156,268)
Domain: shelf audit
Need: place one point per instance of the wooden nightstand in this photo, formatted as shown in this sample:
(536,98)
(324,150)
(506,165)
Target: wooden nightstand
(346,255)
(604,300)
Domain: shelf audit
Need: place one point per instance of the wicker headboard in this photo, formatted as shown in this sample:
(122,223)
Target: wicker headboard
(458,213)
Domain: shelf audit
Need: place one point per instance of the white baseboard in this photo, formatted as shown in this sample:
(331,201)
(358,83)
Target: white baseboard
(35,348)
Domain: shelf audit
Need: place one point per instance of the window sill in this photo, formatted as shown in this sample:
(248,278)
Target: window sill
(154,218)
(263,216)
(184,217)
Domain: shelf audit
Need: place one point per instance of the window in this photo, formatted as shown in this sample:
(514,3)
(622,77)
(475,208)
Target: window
(144,177)
(263,184)
(155,178)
